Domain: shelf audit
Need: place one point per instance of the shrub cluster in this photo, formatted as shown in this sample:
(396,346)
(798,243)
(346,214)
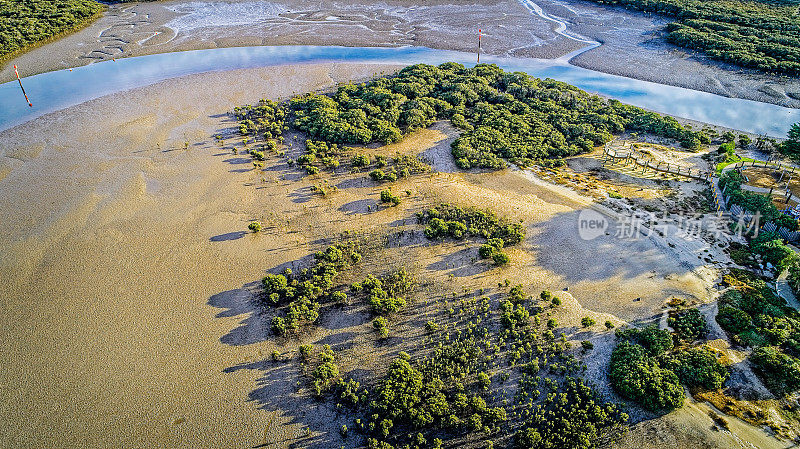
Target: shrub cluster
(780,371)
(635,374)
(266,119)
(689,325)
(447,220)
(648,370)
(382,326)
(755,316)
(514,316)
(575,417)
(326,373)
(388,197)
(385,295)
(301,293)
(319,154)
(360,160)
(493,249)
(697,367)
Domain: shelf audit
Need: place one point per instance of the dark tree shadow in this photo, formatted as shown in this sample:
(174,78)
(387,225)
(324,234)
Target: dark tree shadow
(302,195)
(229,236)
(353,183)
(364,207)
(277,390)
(238,160)
(462,263)
(254,327)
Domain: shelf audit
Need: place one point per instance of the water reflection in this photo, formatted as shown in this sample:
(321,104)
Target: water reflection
(57,90)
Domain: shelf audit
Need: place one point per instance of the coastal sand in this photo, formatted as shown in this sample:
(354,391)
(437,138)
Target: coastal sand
(125,267)
(114,238)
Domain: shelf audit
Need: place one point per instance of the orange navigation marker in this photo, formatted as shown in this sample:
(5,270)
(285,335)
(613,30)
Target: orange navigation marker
(20,86)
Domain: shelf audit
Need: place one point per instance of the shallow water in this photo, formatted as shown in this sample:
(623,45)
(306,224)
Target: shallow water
(57,90)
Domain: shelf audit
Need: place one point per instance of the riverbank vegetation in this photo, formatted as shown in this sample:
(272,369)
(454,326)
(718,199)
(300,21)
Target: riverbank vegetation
(758,34)
(502,115)
(25,23)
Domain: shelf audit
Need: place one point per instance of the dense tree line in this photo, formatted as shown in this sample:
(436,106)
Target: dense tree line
(26,22)
(510,116)
(759,34)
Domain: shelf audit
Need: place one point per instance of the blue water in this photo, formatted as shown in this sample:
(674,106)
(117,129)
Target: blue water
(57,90)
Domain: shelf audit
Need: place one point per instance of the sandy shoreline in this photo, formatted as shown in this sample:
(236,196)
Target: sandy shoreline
(631,46)
(109,258)
(126,273)
(125,270)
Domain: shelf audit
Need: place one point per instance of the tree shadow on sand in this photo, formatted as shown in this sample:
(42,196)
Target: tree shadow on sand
(629,277)
(282,386)
(238,302)
(462,263)
(277,391)
(236,235)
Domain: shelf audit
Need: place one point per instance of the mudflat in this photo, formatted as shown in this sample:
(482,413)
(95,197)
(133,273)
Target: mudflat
(631,42)
(127,272)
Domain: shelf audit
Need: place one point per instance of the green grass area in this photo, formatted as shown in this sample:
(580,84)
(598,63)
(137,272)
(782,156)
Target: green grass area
(27,23)
(724,164)
(759,34)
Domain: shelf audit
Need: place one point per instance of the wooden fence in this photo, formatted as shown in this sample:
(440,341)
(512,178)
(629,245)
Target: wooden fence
(649,163)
